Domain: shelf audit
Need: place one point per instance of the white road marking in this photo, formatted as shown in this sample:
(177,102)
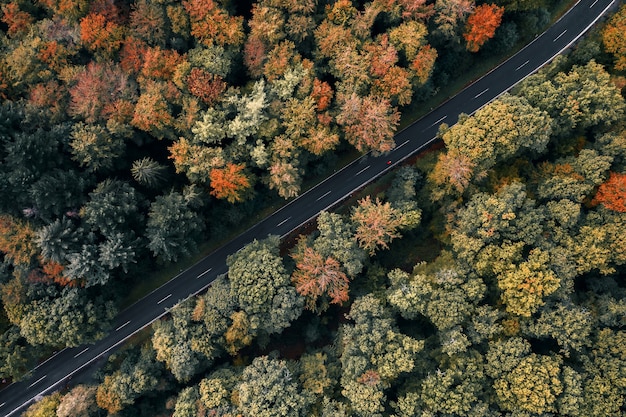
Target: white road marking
(281,223)
(204,273)
(518,68)
(123,325)
(557,38)
(481,93)
(81,352)
(403,143)
(593,4)
(319,198)
(2,404)
(362,170)
(36,382)
(164,298)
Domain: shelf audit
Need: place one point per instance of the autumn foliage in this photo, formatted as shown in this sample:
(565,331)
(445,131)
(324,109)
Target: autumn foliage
(99,34)
(212,25)
(315,276)
(481,25)
(17,240)
(17,20)
(612,193)
(614,38)
(229,182)
(207,87)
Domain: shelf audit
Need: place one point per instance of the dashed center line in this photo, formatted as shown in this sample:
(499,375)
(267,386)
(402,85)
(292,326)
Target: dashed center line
(481,93)
(520,67)
(122,326)
(81,352)
(557,38)
(36,382)
(401,145)
(593,4)
(432,124)
(362,170)
(2,404)
(204,273)
(320,197)
(164,298)
(284,221)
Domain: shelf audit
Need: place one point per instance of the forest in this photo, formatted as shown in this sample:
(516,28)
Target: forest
(482,278)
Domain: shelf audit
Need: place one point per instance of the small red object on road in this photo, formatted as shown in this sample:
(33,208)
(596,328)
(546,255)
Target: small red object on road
(389,162)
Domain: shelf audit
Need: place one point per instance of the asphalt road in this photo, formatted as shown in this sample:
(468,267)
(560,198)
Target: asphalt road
(57,370)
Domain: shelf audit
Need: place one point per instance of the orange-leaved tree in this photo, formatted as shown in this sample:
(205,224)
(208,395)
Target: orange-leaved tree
(315,276)
(614,38)
(481,25)
(612,193)
(229,182)
(17,240)
(211,24)
(18,21)
(99,34)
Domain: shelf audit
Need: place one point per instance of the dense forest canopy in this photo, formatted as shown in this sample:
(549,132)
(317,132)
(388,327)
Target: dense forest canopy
(485,278)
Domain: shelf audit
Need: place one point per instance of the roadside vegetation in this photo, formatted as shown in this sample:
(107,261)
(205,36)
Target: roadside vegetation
(117,156)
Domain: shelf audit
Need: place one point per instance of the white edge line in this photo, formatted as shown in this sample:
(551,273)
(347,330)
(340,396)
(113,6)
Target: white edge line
(320,197)
(164,298)
(204,273)
(81,352)
(122,326)
(38,381)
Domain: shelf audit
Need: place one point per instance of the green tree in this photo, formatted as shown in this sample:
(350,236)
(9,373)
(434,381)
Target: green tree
(148,172)
(582,98)
(336,239)
(67,318)
(261,286)
(270,389)
(447,296)
(45,407)
(94,148)
(173,227)
(58,239)
(139,373)
(17,357)
(374,353)
(501,130)
(113,207)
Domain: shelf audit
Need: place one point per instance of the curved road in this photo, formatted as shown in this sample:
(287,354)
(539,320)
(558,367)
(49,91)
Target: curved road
(58,369)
